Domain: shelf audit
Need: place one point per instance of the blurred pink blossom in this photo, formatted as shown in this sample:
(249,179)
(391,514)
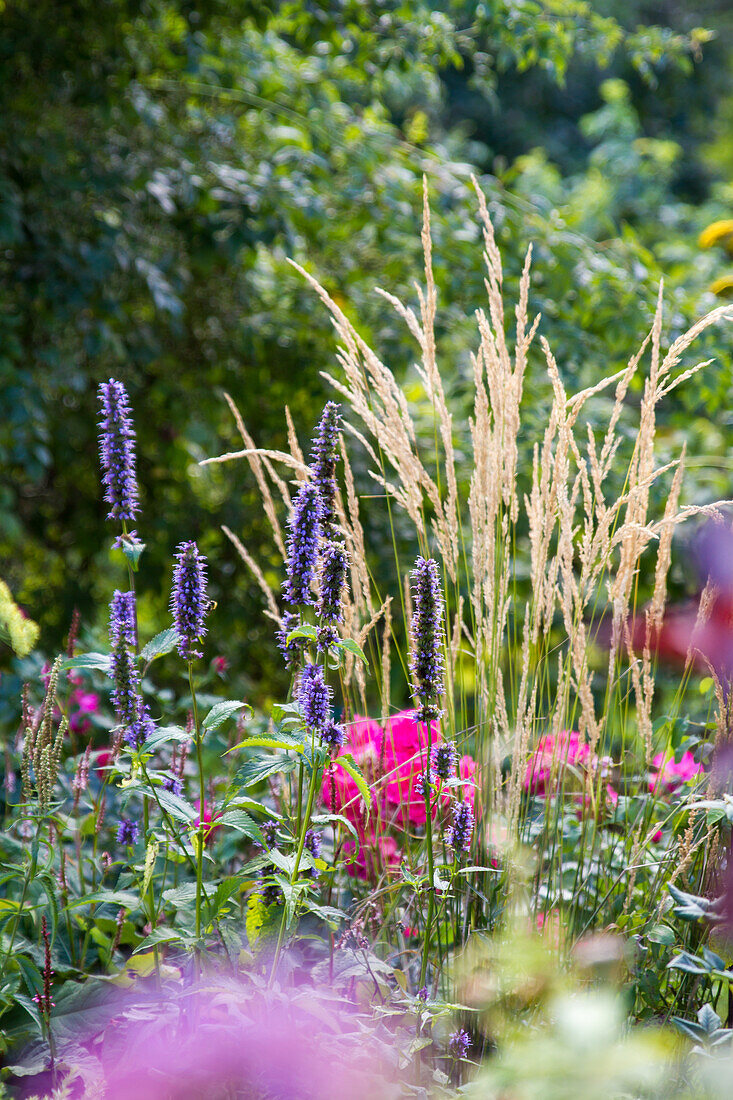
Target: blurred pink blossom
(82,704)
(670,774)
(551,756)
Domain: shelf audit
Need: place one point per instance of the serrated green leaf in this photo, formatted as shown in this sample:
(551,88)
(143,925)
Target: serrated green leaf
(177,807)
(282,741)
(164,735)
(243,823)
(355,649)
(161,644)
(121,898)
(160,935)
(87,660)
(256,770)
(221,711)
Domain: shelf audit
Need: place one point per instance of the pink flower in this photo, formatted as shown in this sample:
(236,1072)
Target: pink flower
(81,705)
(392,759)
(551,756)
(208,817)
(103,759)
(669,774)
(220,665)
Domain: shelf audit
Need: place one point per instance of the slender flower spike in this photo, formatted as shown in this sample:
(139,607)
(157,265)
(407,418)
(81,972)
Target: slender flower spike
(444,760)
(128,831)
(126,692)
(314,697)
(323,463)
(122,619)
(334,563)
(289,650)
(459,834)
(333,735)
(305,530)
(459,1043)
(117,451)
(427,645)
(313,845)
(189,602)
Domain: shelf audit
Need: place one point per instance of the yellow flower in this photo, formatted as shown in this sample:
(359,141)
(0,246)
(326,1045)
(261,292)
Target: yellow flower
(723,286)
(21,632)
(716,233)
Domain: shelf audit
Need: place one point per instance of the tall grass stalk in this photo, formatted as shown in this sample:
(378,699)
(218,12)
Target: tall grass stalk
(549,547)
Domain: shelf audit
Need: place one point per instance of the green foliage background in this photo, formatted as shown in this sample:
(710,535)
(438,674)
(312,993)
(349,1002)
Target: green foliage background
(161,159)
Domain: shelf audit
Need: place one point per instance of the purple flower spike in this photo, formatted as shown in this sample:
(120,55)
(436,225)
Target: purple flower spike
(313,845)
(314,697)
(459,834)
(334,563)
(444,760)
(189,602)
(126,692)
(173,784)
(323,463)
(290,651)
(128,831)
(459,1043)
(117,451)
(333,735)
(305,529)
(427,640)
(122,620)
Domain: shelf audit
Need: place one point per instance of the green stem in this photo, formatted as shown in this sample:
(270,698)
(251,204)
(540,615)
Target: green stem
(200,839)
(298,855)
(29,875)
(431,869)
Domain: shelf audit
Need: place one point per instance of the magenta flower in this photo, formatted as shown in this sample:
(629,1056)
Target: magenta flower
(550,758)
(670,774)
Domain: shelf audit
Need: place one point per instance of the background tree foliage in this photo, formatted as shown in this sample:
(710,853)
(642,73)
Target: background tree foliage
(161,159)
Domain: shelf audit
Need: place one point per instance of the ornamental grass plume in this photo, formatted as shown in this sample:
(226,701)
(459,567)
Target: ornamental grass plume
(563,530)
(117,452)
(189,602)
(302,547)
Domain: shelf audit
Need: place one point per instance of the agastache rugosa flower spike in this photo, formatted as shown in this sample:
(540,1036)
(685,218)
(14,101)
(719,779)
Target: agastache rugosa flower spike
(427,642)
(289,650)
(131,712)
(126,692)
(128,831)
(459,1043)
(117,451)
(444,760)
(333,735)
(122,619)
(189,602)
(334,563)
(324,457)
(302,550)
(459,834)
(314,697)
(313,845)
